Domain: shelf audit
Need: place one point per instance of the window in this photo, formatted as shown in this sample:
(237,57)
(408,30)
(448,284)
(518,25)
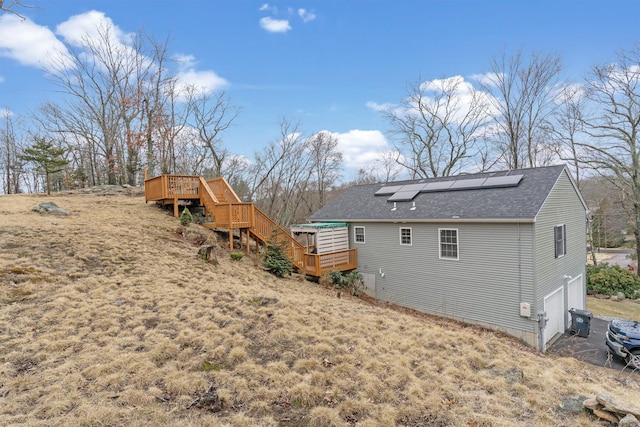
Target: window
(560,238)
(448,243)
(405,236)
(358,234)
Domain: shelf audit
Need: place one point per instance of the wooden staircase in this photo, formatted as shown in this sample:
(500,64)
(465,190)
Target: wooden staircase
(227,212)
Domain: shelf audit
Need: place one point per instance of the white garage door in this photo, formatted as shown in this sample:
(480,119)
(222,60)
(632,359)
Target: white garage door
(554,306)
(575,295)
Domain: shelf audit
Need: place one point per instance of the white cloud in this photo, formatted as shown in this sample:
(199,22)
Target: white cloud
(205,81)
(361,147)
(487,79)
(306,15)
(1,79)
(275,25)
(264,7)
(29,43)
(379,107)
(5,112)
(89,26)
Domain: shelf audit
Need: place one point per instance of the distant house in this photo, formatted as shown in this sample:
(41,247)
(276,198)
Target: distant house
(505,250)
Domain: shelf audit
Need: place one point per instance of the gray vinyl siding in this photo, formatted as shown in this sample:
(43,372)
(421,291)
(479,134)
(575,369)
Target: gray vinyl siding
(562,206)
(493,275)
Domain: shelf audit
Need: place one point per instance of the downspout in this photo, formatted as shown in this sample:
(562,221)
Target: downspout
(519,265)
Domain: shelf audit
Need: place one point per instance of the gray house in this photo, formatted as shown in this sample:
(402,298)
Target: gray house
(505,250)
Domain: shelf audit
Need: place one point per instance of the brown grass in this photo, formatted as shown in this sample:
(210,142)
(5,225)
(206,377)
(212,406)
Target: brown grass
(109,317)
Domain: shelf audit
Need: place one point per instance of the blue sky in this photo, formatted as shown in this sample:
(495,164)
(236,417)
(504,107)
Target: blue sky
(325,62)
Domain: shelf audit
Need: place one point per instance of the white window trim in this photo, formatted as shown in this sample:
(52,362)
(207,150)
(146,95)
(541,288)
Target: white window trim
(410,236)
(364,235)
(563,227)
(457,258)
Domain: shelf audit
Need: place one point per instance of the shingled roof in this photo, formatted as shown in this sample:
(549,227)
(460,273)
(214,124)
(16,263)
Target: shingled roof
(521,202)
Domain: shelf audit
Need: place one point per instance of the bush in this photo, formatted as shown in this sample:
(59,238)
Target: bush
(610,279)
(276,260)
(185,217)
(352,281)
(236,256)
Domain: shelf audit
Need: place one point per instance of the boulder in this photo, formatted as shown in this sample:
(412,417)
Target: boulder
(629,421)
(574,405)
(50,208)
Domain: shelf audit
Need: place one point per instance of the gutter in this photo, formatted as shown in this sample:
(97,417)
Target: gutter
(437,220)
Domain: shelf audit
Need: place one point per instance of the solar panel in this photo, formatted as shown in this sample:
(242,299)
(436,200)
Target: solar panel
(502,181)
(403,196)
(413,187)
(437,186)
(406,193)
(385,191)
(463,184)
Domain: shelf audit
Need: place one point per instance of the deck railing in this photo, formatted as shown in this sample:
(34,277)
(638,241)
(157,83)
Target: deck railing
(155,188)
(223,190)
(172,187)
(266,229)
(233,215)
(319,264)
(183,186)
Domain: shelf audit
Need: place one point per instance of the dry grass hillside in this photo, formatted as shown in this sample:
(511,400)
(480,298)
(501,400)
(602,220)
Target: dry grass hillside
(108,317)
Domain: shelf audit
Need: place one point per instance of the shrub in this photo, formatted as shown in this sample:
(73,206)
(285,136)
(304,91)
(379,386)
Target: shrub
(236,256)
(610,279)
(185,217)
(276,260)
(352,281)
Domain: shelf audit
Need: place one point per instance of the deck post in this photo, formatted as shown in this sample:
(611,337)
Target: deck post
(176,212)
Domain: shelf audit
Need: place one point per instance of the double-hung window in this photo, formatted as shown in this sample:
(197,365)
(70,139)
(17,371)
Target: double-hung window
(448,243)
(560,238)
(405,236)
(358,234)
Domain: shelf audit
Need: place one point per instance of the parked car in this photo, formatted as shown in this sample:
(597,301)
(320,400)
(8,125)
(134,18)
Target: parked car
(623,338)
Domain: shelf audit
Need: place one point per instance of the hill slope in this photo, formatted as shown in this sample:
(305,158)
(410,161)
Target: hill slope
(108,317)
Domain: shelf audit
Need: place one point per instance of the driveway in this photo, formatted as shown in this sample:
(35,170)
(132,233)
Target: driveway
(591,349)
(616,256)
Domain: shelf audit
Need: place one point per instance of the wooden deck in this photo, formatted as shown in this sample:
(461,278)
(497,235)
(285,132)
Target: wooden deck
(228,212)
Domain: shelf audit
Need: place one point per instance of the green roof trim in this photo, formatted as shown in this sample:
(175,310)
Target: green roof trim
(320,225)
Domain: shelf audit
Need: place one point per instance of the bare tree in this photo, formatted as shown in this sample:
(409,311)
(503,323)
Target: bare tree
(11,164)
(281,174)
(163,118)
(437,126)
(212,115)
(327,164)
(116,102)
(9,7)
(522,103)
(613,125)
(567,132)
(93,107)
